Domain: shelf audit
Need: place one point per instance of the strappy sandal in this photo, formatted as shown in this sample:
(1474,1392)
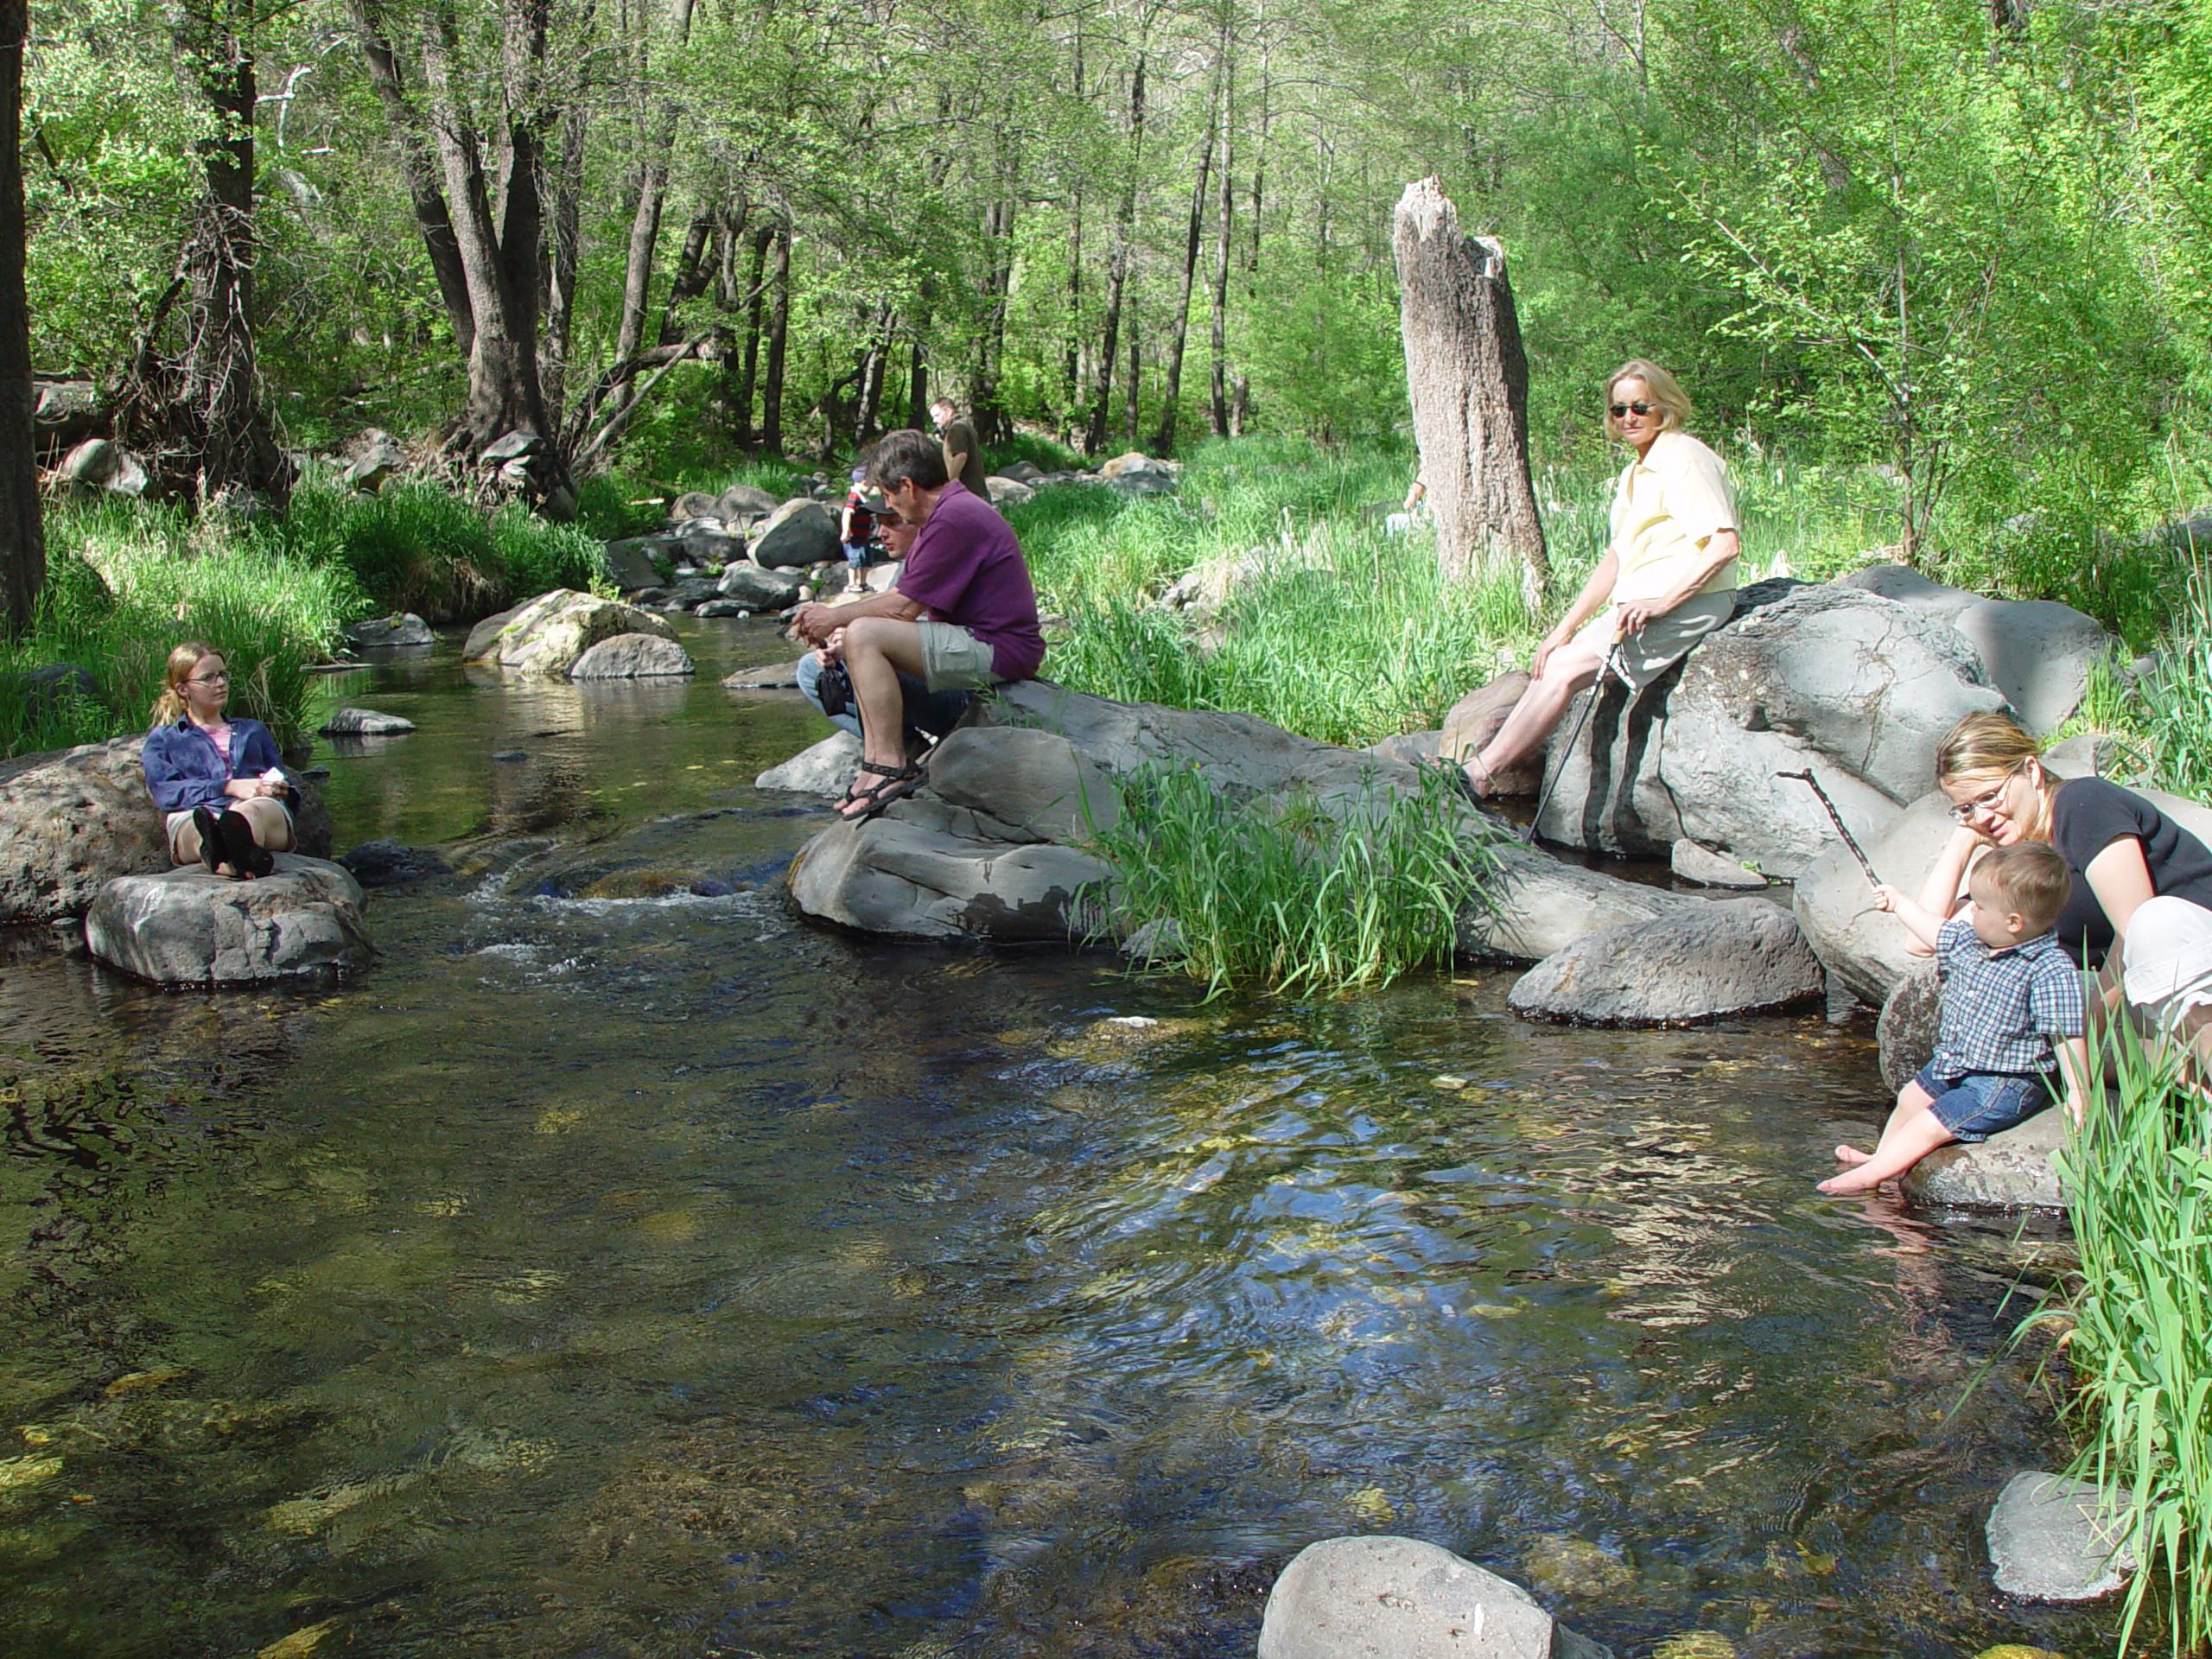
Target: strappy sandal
(899,782)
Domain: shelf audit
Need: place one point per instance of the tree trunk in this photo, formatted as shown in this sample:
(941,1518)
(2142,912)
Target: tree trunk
(695,271)
(985,411)
(1469,384)
(561,243)
(1117,272)
(1180,325)
(418,165)
(1217,398)
(23,534)
(203,409)
(749,368)
(1132,384)
(779,316)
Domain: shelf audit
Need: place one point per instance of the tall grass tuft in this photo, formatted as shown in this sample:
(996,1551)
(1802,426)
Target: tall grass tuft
(2139,1179)
(1289,894)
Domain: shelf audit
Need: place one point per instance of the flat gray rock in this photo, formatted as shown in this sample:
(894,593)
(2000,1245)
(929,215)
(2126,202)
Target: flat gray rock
(632,657)
(1704,961)
(2047,1541)
(757,586)
(771,677)
(2010,1170)
(1710,869)
(824,768)
(2038,653)
(187,927)
(631,563)
(1387,1598)
(1534,905)
(405,629)
(365,723)
(910,875)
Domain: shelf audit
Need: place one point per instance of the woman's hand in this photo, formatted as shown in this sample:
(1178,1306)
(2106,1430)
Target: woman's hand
(1545,646)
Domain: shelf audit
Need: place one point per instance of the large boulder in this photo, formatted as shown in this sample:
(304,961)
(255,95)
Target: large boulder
(1909,587)
(2012,1169)
(378,633)
(928,870)
(632,657)
(1534,905)
(1855,687)
(1008,492)
(1379,1596)
(1037,783)
(1912,1021)
(629,564)
(188,927)
(2037,653)
(798,534)
(757,587)
(1863,946)
(71,820)
(548,633)
(1702,962)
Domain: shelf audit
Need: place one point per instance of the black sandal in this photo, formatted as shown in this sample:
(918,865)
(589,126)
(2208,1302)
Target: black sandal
(240,850)
(899,782)
(211,839)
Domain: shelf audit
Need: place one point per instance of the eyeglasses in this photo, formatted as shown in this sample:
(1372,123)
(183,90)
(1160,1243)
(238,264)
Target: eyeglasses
(1981,805)
(220,677)
(1618,409)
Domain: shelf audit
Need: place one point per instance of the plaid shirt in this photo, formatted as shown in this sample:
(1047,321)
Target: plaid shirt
(2003,1009)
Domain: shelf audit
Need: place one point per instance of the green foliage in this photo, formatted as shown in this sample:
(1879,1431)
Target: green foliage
(1289,894)
(415,547)
(2139,1181)
(126,582)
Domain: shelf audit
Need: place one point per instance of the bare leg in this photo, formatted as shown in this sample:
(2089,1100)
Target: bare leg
(186,848)
(1911,1133)
(1567,670)
(876,649)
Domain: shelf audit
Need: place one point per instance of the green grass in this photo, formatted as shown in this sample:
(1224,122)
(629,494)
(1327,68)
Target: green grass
(1283,894)
(2140,1181)
(124,584)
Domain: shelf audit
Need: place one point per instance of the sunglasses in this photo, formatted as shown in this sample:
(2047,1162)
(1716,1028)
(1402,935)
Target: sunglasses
(1618,409)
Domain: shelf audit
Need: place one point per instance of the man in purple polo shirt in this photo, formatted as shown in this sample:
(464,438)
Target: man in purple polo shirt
(962,617)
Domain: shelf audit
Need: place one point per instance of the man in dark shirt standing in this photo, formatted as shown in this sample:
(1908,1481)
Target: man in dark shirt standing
(962,615)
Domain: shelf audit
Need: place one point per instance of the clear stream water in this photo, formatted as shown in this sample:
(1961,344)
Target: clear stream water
(623,1267)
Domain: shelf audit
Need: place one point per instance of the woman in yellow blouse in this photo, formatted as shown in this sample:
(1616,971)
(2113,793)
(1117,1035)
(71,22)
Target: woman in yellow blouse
(1668,578)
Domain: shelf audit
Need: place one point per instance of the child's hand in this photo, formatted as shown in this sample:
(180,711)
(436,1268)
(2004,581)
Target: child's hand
(1886,896)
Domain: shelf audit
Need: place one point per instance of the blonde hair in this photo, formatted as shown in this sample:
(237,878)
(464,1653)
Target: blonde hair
(1992,746)
(2030,877)
(168,707)
(1662,392)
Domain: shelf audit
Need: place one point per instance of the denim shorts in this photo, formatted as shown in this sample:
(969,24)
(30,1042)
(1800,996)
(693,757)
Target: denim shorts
(1976,1106)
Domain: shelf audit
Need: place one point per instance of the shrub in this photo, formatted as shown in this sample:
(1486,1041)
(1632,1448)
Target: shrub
(1286,894)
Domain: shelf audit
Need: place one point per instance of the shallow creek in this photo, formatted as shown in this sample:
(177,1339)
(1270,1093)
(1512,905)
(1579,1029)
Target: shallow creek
(616,1274)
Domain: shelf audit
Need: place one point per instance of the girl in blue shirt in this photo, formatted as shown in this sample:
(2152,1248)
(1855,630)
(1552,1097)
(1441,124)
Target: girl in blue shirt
(217,781)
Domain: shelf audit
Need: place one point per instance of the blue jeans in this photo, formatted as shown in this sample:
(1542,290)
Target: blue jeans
(1979,1104)
(934,712)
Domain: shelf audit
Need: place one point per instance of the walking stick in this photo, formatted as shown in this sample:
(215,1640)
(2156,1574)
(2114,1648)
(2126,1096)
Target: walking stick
(1856,852)
(1606,666)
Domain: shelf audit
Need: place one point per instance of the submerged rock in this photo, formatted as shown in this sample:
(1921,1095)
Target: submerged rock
(1387,1598)
(365,723)
(1560,1565)
(388,863)
(1704,961)
(378,631)
(2050,1538)
(190,928)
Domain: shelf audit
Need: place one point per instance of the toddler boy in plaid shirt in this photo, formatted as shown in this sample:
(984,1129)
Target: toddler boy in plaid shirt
(2012,1009)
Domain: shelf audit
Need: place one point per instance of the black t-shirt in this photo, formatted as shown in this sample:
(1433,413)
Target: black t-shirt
(2087,816)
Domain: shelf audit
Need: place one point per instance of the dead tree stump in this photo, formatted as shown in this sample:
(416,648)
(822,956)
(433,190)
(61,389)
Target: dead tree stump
(1468,380)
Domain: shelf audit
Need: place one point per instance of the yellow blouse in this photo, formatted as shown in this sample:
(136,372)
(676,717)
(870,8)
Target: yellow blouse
(1669,502)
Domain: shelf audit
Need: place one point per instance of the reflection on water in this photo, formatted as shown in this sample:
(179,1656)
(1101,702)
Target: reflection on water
(620,1267)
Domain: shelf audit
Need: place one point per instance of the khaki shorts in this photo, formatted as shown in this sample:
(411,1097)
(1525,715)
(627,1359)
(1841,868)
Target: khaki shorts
(954,659)
(1643,656)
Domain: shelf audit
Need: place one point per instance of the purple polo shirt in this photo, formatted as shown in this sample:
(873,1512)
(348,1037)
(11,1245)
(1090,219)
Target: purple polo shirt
(965,567)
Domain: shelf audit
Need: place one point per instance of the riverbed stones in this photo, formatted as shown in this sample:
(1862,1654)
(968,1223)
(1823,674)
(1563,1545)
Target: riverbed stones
(1381,1597)
(1704,961)
(798,534)
(2037,653)
(1853,686)
(632,657)
(187,927)
(1561,1565)
(71,820)
(1710,869)
(365,723)
(2052,1539)
(2012,1169)
(757,586)
(547,634)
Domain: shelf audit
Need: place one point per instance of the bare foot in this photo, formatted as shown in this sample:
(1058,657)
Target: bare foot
(1479,777)
(1848,1155)
(1851,1181)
